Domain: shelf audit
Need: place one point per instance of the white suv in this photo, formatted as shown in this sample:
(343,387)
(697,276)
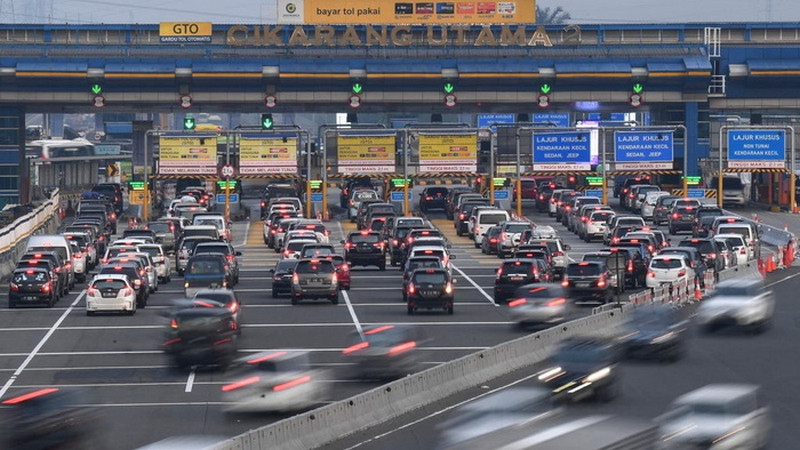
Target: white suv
(669,269)
(110,292)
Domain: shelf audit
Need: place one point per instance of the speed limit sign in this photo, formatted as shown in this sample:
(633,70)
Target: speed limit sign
(227,171)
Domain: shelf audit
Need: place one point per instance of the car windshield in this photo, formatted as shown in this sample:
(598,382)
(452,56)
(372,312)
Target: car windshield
(152,251)
(424,264)
(430,278)
(359,238)
(296,245)
(317,251)
(701,246)
(33,277)
(438,192)
(159,227)
(735,242)
(517,227)
(206,221)
(666,263)
(224,249)
(492,218)
(437,253)
(314,267)
(742,231)
(401,233)
(583,269)
(206,267)
(108,283)
(629,221)
(601,216)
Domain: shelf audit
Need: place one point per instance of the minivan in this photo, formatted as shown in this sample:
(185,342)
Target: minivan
(54,243)
(732,191)
(486,219)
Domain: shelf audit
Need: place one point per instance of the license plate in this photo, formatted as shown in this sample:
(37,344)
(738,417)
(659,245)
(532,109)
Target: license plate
(30,298)
(582,285)
(109,295)
(516,277)
(431,294)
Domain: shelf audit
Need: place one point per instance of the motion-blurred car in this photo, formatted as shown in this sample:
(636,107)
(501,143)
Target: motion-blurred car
(275,382)
(583,368)
(201,336)
(656,331)
(226,297)
(716,416)
(743,303)
(537,304)
(385,351)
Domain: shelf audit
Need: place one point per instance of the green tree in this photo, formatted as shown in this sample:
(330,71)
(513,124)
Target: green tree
(549,16)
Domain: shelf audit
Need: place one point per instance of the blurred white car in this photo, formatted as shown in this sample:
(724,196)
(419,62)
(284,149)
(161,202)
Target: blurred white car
(716,416)
(742,302)
(275,382)
(669,269)
(110,292)
(160,260)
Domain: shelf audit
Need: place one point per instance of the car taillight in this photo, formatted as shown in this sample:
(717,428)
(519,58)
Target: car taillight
(630,266)
(127,291)
(77,255)
(13,287)
(139,283)
(651,248)
(395,242)
(91,291)
(601,282)
(461,217)
(344,268)
(682,273)
(651,274)
(334,279)
(401,348)
(503,236)
(557,301)
(557,253)
(46,287)
(493,240)
(295,279)
(615,240)
(712,255)
(411,288)
(286,253)
(676,216)
(229,257)
(499,273)
(263,204)
(58,269)
(429,198)
(113,216)
(631,195)
(349,245)
(541,197)
(240,384)
(448,288)
(742,251)
(355,347)
(292,383)
(379,244)
(142,272)
(517,302)
(565,282)
(585,219)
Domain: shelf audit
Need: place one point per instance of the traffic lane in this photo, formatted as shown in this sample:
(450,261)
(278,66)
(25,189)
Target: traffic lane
(780,220)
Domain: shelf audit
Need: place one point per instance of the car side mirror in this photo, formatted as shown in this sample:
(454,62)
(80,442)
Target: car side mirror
(454,281)
(238,253)
(271,270)
(453,257)
(449,246)
(567,247)
(341,241)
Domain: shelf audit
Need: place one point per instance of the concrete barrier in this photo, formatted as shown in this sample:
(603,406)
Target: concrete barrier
(749,269)
(14,237)
(323,425)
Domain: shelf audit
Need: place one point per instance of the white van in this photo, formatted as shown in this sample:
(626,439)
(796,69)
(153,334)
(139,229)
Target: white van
(215,220)
(486,219)
(54,243)
(732,191)
(745,230)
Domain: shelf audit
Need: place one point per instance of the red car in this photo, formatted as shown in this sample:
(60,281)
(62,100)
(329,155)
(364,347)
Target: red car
(342,271)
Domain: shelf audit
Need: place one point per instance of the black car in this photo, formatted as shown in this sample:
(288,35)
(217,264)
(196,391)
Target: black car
(201,336)
(138,279)
(276,191)
(49,417)
(703,219)
(48,265)
(31,285)
(365,248)
(512,274)
(663,208)
(491,240)
(452,200)
(282,277)
(654,331)
(588,281)
(581,368)
(543,196)
(59,265)
(112,191)
(139,233)
(433,198)
(465,211)
(397,241)
(632,262)
(681,218)
(351,183)
(412,236)
(708,250)
(430,289)
(623,187)
(416,263)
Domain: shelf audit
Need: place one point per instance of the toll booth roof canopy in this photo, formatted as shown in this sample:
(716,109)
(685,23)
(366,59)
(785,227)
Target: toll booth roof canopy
(241,66)
(142,67)
(63,66)
(319,66)
(773,64)
(428,67)
(499,66)
(592,66)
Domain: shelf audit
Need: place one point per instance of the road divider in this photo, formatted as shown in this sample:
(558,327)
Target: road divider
(45,219)
(342,418)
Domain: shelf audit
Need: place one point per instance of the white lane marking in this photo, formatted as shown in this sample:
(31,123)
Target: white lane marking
(392,288)
(181,291)
(544,436)
(441,411)
(39,346)
(246,235)
(353,314)
(61,369)
(472,282)
(786,278)
(189,382)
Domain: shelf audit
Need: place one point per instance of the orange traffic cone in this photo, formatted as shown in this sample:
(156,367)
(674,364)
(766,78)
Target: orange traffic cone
(698,291)
(762,267)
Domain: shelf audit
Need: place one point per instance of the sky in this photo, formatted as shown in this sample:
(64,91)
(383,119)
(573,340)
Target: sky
(263,11)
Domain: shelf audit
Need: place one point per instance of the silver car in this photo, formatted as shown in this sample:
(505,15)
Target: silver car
(539,303)
(741,302)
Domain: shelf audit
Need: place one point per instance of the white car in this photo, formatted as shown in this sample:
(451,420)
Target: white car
(486,219)
(160,260)
(79,264)
(292,248)
(356,198)
(278,381)
(280,233)
(739,245)
(716,416)
(741,302)
(649,203)
(315,226)
(596,224)
(215,220)
(669,269)
(129,242)
(111,292)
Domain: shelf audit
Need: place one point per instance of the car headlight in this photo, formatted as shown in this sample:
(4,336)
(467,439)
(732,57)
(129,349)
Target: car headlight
(663,338)
(599,375)
(551,373)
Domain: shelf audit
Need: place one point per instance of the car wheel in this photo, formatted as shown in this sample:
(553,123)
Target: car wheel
(11,305)
(477,245)
(410,310)
(295,300)
(382,266)
(89,313)
(607,393)
(274,293)
(335,298)
(180,272)
(449,310)
(458,232)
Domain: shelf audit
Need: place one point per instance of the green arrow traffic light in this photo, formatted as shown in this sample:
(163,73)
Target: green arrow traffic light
(545,88)
(266,122)
(638,88)
(189,123)
(96,89)
(357,88)
(449,88)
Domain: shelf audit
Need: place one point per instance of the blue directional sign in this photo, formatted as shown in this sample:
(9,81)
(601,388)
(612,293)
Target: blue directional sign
(560,120)
(643,146)
(561,148)
(696,193)
(594,193)
(397,196)
(756,145)
(316,196)
(234,198)
(501,195)
(485,120)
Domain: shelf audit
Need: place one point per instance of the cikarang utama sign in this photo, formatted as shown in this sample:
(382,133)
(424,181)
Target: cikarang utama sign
(396,36)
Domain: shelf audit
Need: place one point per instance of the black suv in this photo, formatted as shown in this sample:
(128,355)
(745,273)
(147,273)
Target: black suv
(113,191)
(681,218)
(430,289)
(397,242)
(365,248)
(433,198)
(623,188)
(512,274)
(631,262)
(201,336)
(588,281)
(31,285)
(583,367)
(701,228)
(452,200)
(276,191)
(708,250)
(282,277)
